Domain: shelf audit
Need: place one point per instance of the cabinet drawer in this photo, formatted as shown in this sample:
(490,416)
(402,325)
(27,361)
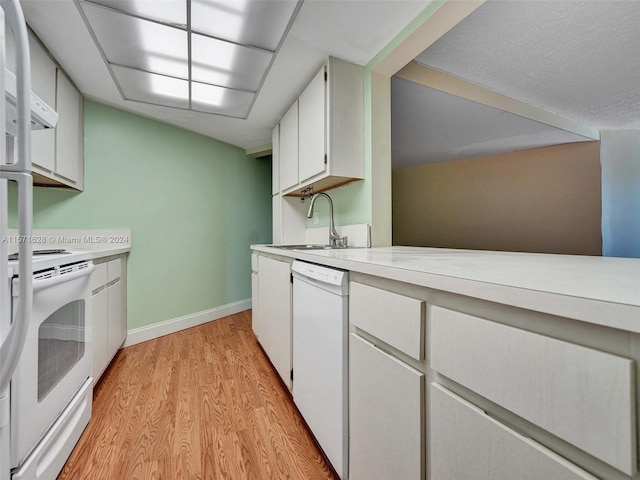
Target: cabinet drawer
(394,319)
(579,394)
(99,276)
(114,270)
(254,262)
(466,444)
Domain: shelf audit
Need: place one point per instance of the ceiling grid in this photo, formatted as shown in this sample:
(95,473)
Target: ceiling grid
(208,56)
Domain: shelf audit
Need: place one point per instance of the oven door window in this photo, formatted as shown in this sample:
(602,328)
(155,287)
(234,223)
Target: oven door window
(61,344)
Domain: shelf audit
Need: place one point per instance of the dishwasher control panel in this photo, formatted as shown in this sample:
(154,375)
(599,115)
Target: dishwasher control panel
(319,274)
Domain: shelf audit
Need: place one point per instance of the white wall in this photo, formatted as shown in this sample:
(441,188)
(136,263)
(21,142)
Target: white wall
(620,160)
(544,200)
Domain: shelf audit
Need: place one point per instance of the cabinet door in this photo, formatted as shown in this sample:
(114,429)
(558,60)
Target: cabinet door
(274,293)
(117,329)
(312,128)
(43,83)
(289,148)
(466,444)
(386,415)
(275,160)
(69,131)
(255,305)
(276,219)
(99,319)
(557,385)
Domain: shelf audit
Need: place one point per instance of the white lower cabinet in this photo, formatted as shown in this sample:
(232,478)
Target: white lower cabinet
(100,319)
(255,305)
(582,395)
(513,393)
(467,444)
(386,415)
(274,304)
(117,324)
(109,318)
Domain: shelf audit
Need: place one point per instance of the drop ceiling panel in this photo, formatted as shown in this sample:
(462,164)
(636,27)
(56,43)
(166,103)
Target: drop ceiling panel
(126,41)
(354,30)
(226,64)
(223,101)
(152,88)
(167,11)
(260,24)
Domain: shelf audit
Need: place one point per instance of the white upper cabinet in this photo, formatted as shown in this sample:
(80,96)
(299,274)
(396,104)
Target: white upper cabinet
(289,148)
(312,156)
(43,83)
(324,148)
(57,155)
(69,134)
(275,160)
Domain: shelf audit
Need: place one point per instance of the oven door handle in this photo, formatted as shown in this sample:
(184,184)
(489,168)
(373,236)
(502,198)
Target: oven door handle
(58,279)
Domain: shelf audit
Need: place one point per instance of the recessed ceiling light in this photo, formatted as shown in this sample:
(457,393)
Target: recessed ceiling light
(204,55)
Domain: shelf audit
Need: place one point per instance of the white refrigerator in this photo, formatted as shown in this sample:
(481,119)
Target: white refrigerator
(20,111)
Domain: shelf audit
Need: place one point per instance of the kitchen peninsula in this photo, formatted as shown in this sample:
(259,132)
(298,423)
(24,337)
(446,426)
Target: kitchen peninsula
(456,355)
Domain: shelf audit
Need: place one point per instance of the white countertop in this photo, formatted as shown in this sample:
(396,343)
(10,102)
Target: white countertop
(601,290)
(99,242)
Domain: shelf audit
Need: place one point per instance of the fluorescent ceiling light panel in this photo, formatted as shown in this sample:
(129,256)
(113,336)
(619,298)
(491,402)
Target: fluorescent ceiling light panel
(168,87)
(131,42)
(223,101)
(152,88)
(209,95)
(227,64)
(258,23)
(154,50)
(167,11)
(220,18)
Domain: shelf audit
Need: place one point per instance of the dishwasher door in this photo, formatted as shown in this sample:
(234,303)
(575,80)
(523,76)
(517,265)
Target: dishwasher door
(320,357)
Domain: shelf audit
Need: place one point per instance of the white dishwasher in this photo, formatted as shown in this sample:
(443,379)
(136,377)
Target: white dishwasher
(320,357)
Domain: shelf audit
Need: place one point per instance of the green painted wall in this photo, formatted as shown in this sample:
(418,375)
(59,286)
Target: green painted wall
(351,205)
(193,204)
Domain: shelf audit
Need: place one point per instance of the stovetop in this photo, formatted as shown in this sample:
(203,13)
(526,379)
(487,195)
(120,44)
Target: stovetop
(37,253)
(44,259)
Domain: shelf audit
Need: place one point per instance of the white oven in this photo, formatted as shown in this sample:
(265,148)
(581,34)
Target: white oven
(51,387)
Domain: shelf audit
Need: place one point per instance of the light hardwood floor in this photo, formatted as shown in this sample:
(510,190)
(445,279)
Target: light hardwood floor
(203,403)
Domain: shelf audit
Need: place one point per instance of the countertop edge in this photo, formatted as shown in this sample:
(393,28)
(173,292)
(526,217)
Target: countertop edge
(598,311)
(100,243)
(99,254)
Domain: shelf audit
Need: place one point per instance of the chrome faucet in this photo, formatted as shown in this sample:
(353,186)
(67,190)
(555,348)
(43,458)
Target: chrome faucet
(335,240)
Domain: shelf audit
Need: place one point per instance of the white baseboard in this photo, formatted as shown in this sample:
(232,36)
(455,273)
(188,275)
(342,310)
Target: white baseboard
(149,332)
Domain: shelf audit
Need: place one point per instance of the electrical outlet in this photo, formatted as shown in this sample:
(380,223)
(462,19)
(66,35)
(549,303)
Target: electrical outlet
(316,218)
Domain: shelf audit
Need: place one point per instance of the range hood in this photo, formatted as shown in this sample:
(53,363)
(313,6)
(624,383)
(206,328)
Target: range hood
(42,115)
